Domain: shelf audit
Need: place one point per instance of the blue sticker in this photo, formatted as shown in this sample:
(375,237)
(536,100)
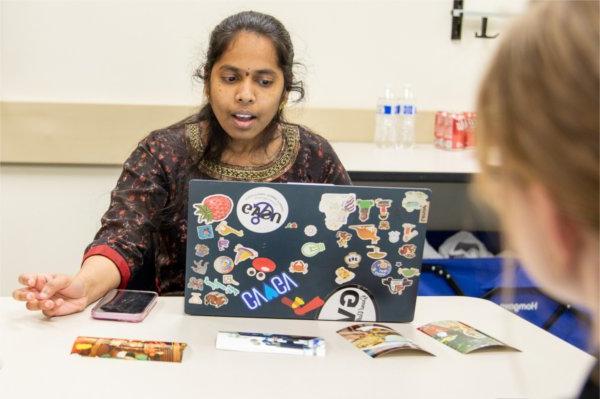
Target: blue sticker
(381,268)
(205,232)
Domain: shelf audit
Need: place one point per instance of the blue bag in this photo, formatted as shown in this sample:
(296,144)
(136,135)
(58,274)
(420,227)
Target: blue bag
(514,290)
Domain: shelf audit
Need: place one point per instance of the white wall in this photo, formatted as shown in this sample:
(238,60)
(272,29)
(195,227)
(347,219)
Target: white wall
(48,215)
(144,52)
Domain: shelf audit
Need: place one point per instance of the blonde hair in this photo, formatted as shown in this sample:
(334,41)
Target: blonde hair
(538,109)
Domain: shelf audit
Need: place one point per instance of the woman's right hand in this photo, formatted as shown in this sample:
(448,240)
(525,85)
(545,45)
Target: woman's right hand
(53,294)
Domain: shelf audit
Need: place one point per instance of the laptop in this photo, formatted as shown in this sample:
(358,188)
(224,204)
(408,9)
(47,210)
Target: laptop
(304,251)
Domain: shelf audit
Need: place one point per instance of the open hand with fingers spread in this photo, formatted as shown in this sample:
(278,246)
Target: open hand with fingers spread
(53,294)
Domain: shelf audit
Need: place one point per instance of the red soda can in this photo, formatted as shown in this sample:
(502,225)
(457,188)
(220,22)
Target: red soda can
(454,137)
(471,118)
(441,120)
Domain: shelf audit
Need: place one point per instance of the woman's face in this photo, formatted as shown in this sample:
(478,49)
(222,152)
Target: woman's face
(246,86)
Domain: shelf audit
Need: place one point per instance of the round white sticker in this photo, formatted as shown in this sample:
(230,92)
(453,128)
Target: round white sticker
(262,209)
(349,303)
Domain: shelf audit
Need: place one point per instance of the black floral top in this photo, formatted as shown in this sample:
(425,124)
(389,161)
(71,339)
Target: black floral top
(144,230)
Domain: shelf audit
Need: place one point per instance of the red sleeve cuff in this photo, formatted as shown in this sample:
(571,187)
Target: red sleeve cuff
(115,257)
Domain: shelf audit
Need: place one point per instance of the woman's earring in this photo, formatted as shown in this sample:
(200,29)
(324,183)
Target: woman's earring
(281,107)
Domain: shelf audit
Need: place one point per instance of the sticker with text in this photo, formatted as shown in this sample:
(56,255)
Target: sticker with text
(262,210)
(276,286)
(217,285)
(424,213)
(350,303)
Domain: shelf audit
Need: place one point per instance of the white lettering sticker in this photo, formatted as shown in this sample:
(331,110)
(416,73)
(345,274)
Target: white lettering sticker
(262,210)
(350,304)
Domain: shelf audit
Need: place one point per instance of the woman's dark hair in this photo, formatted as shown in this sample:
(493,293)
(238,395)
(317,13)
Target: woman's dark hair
(220,39)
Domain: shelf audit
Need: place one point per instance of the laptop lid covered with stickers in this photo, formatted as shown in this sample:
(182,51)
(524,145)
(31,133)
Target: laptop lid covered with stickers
(304,251)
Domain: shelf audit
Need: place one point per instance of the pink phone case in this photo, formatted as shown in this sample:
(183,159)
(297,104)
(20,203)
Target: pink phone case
(99,313)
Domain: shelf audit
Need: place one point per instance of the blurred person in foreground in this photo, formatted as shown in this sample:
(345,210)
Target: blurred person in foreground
(538,133)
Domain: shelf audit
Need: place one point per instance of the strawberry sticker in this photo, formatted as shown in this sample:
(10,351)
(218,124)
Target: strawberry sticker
(213,208)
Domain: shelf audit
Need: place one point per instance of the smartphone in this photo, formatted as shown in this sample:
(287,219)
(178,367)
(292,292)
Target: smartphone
(125,305)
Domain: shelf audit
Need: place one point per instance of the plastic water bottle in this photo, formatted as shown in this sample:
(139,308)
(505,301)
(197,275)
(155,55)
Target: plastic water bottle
(386,123)
(407,117)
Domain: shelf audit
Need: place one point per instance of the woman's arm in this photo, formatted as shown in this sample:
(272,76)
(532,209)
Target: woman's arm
(123,241)
(134,216)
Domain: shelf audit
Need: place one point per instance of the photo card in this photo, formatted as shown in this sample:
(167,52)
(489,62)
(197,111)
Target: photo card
(129,349)
(377,340)
(461,337)
(270,343)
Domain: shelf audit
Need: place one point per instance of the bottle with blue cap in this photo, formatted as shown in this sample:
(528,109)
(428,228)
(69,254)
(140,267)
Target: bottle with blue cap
(407,116)
(386,120)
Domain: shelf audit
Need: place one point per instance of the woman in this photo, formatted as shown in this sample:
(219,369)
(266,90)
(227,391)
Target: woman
(538,149)
(240,134)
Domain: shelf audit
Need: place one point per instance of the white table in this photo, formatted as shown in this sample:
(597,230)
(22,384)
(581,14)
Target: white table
(37,363)
(423,162)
